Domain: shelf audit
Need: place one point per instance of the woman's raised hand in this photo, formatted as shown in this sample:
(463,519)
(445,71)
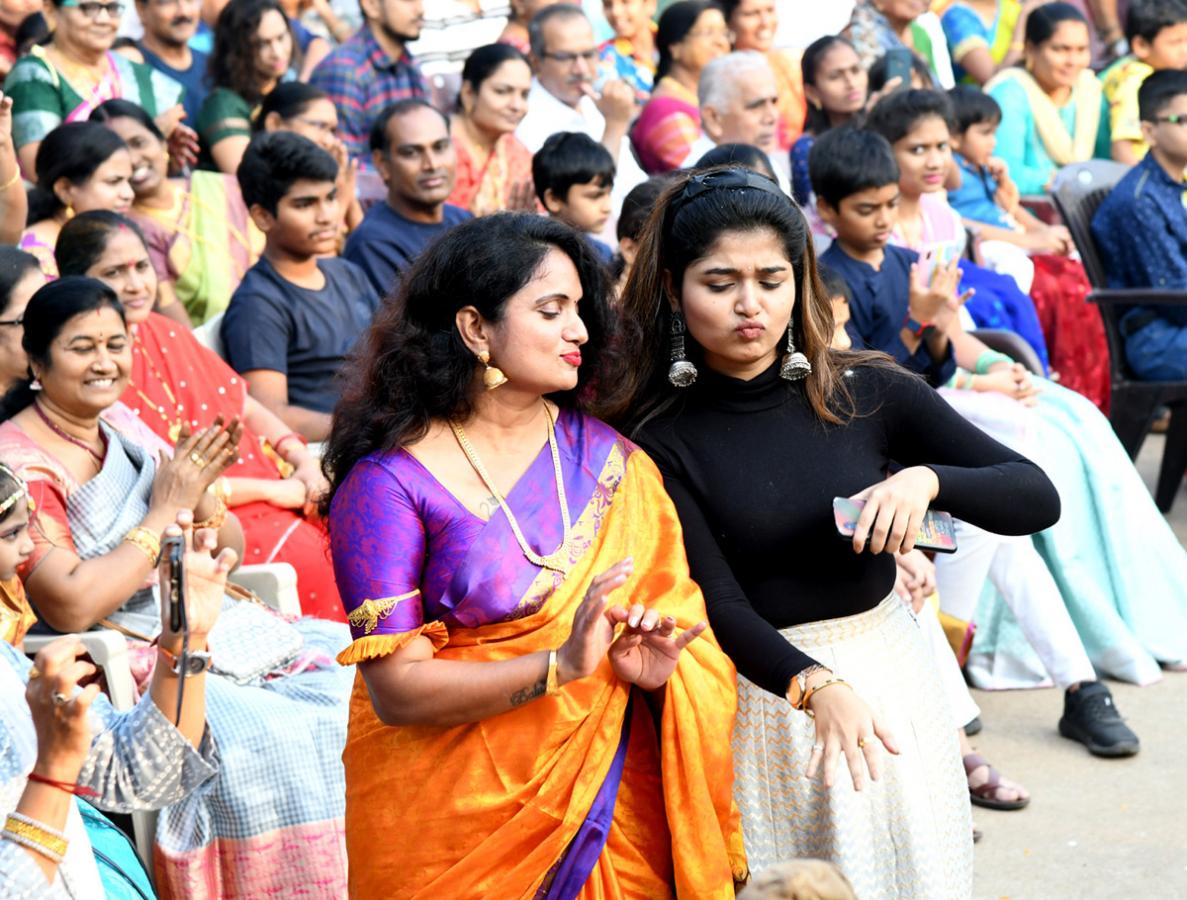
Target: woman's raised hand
(894,511)
(591,635)
(647,650)
(198,461)
(59,708)
(205,578)
(845,724)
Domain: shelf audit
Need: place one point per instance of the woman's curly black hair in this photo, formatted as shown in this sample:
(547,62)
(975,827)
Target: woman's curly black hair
(413,368)
(232,63)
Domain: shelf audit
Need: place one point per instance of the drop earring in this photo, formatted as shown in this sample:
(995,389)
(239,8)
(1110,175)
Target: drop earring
(681,373)
(492,377)
(35,384)
(795,365)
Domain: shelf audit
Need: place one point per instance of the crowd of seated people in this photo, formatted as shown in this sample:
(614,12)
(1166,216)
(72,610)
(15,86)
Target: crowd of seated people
(271,289)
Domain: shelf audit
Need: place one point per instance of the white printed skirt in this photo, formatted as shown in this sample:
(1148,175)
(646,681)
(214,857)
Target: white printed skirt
(908,835)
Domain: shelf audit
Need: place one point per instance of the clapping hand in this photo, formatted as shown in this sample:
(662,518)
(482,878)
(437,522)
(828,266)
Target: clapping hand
(645,653)
(648,648)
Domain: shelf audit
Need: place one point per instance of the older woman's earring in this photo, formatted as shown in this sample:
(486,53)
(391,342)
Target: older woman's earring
(491,377)
(35,384)
(681,373)
(795,365)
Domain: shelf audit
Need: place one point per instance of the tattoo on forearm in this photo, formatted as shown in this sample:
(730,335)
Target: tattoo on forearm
(531,692)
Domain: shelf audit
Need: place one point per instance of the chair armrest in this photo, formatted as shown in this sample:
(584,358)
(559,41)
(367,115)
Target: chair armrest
(1138,296)
(274,583)
(1011,344)
(109,651)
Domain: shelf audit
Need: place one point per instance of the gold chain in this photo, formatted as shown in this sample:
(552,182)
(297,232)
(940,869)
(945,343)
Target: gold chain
(558,560)
(174,427)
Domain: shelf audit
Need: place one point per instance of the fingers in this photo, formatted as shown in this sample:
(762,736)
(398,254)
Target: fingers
(690,634)
(882,733)
(816,758)
(832,755)
(865,521)
(55,655)
(225,561)
(873,758)
(71,674)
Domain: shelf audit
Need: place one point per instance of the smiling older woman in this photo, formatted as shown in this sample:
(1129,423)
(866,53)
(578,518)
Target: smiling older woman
(276,701)
(540,743)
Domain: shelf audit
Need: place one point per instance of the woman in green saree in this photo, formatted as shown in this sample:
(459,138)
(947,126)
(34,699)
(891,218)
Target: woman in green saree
(199,236)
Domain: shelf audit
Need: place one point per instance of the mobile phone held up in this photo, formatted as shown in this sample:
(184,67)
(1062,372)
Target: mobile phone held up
(174,553)
(938,531)
(899,65)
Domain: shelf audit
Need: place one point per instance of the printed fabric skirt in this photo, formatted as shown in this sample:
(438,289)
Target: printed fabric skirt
(908,835)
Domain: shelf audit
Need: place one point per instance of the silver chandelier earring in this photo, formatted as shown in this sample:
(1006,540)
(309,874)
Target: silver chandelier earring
(681,373)
(795,365)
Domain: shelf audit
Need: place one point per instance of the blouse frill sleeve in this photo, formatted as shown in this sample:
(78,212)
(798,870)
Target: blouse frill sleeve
(378,543)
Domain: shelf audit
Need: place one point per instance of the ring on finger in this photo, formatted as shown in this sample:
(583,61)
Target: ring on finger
(861,743)
(817,747)
(197,460)
(60,699)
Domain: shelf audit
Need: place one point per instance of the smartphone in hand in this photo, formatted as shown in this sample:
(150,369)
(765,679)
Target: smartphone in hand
(938,531)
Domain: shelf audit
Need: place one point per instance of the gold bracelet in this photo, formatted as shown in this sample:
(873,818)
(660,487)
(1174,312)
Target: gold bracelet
(215,519)
(819,687)
(27,832)
(16,176)
(146,541)
(554,686)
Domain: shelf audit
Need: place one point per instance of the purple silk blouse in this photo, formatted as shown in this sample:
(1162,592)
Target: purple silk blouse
(397,534)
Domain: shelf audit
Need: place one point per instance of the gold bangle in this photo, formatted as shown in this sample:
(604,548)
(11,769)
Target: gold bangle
(16,176)
(554,686)
(41,838)
(215,519)
(820,687)
(146,541)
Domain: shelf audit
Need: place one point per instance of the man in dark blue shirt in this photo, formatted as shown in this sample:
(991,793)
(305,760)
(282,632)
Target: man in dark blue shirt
(1141,231)
(298,311)
(168,27)
(413,153)
(856,179)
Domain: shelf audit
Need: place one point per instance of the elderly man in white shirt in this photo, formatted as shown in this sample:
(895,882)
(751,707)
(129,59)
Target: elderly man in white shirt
(562,98)
(739,105)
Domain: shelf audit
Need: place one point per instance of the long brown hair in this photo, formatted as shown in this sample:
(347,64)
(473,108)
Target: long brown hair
(682,230)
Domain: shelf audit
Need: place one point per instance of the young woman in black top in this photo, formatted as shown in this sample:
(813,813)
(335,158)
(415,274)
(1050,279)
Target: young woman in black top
(753,453)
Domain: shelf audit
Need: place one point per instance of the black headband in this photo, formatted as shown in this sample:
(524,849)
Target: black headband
(733,178)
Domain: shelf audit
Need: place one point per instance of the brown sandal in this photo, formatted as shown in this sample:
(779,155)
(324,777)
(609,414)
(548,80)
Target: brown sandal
(986,794)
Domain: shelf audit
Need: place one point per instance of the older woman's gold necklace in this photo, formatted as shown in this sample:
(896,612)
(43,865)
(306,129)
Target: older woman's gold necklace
(558,559)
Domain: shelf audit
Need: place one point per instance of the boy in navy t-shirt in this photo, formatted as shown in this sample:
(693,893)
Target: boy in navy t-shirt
(299,310)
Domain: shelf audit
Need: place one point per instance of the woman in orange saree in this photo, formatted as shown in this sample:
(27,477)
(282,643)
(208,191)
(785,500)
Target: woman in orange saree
(544,744)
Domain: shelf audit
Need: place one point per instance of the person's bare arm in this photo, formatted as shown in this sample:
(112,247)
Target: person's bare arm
(229,152)
(270,388)
(1124,152)
(319,49)
(14,205)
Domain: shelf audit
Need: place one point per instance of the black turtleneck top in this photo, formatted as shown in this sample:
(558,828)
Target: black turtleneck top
(753,473)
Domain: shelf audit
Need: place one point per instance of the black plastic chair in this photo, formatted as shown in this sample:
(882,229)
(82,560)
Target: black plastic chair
(1078,191)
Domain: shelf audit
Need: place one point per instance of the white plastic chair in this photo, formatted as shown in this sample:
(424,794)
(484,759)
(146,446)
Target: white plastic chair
(274,583)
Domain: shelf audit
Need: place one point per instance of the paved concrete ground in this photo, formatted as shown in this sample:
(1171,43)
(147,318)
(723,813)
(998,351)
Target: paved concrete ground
(1095,828)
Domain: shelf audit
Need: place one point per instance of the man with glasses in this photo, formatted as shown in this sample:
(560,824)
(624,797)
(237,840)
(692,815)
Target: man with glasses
(1141,231)
(168,27)
(565,59)
(372,70)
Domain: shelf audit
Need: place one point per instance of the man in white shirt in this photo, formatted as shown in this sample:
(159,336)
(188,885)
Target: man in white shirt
(562,98)
(740,105)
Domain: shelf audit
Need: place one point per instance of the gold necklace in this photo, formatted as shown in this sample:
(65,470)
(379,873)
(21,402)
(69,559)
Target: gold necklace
(174,425)
(557,560)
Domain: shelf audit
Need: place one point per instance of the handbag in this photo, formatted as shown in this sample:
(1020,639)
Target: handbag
(250,641)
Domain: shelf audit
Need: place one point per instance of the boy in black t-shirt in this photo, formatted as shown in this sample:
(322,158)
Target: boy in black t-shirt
(298,311)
